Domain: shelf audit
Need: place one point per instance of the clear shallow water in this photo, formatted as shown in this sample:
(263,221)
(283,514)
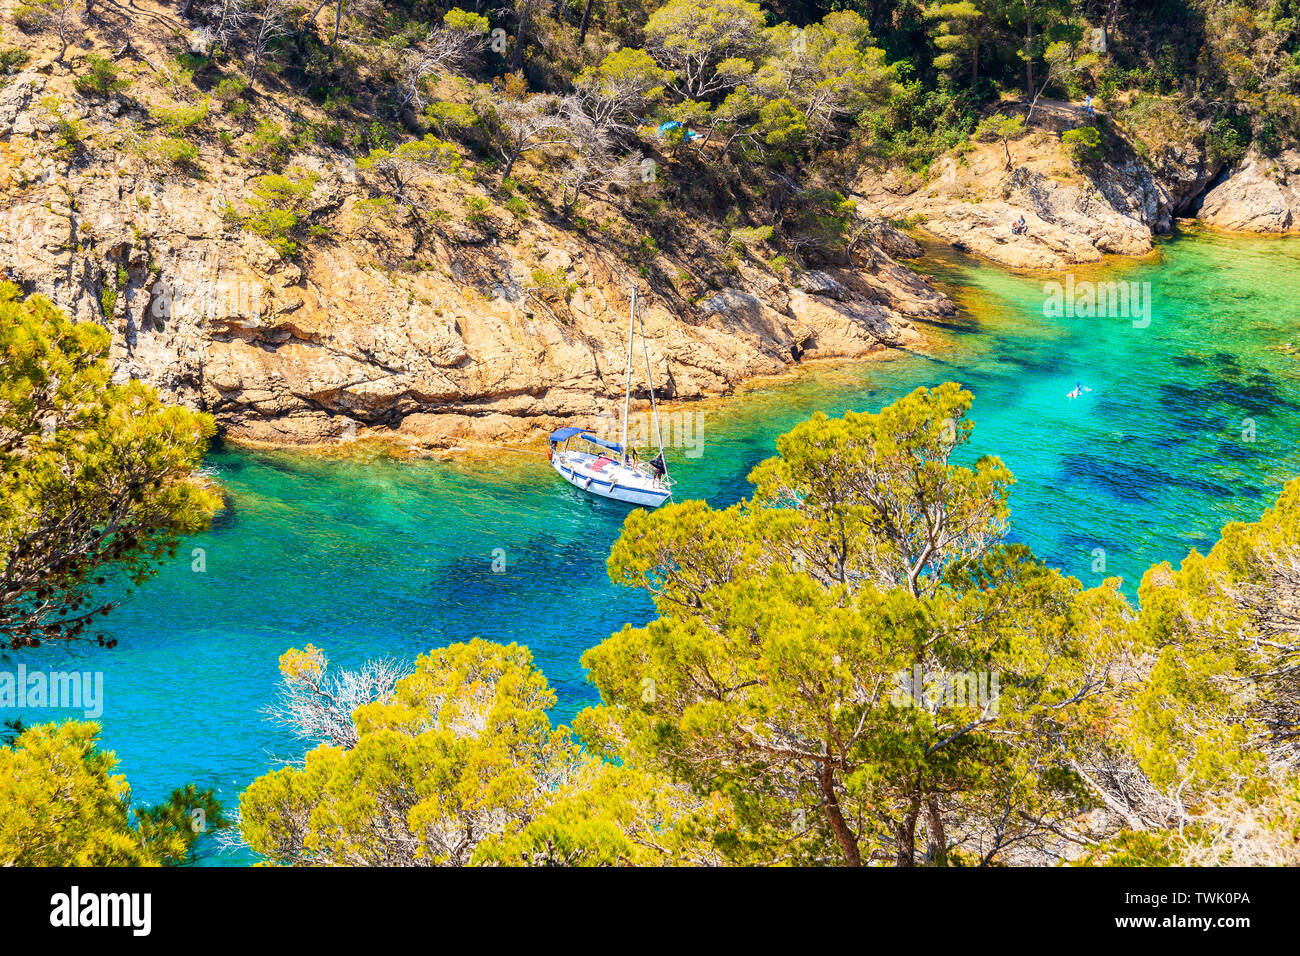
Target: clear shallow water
(367,556)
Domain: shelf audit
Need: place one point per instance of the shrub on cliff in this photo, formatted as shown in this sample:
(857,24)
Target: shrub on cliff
(179,120)
(279,209)
(1083,145)
(69,132)
(103,77)
(176,151)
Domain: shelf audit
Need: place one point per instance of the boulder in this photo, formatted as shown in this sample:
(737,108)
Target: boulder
(1261,194)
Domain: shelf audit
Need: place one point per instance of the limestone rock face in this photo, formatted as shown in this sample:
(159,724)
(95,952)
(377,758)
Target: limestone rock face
(369,333)
(1259,195)
(972,202)
(1182,172)
(1074,215)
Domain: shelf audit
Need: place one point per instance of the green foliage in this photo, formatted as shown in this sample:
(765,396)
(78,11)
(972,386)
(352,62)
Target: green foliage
(624,83)
(398,170)
(279,205)
(748,236)
(449,118)
(827,71)
(466,21)
(175,151)
(784,127)
(818,222)
(375,209)
(1225,142)
(79,453)
(69,132)
(459,765)
(103,77)
(12,60)
(915,125)
(1000,126)
(228,91)
(110,288)
(179,120)
(463,751)
(515,205)
(1220,696)
(268,144)
(553,284)
(32,15)
(1141,848)
(1249,54)
(1155,124)
(786,622)
(1083,145)
(707,44)
(378,137)
(61,805)
(957,30)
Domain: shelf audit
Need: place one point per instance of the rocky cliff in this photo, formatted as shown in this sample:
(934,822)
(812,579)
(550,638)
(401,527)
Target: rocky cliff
(1259,194)
(494,327)
(1075,212)
(486,317)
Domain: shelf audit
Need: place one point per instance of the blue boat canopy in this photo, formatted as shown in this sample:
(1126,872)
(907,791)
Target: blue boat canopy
(564,434)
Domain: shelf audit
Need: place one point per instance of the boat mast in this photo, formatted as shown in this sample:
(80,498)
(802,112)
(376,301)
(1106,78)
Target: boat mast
(654,406)
(627,391)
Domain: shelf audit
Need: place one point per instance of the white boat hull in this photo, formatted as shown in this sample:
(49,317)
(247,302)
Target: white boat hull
(610,479)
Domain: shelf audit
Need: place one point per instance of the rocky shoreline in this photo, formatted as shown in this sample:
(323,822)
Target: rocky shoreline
(1079,214)
(1258,195)
(501,328)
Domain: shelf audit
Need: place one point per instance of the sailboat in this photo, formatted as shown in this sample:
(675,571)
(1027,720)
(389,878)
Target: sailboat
(607,468)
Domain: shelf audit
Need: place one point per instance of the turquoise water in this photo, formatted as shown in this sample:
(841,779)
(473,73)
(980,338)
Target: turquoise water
(367,556)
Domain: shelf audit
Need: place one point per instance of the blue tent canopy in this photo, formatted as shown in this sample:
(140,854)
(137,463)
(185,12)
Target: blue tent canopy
(564,434)
(672,126)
